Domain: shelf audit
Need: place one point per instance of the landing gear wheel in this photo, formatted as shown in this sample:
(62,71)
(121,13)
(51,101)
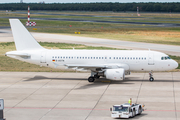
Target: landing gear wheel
(96,76)
(151,79)
(91,79)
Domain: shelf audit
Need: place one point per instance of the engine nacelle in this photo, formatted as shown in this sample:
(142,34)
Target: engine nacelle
(114,74)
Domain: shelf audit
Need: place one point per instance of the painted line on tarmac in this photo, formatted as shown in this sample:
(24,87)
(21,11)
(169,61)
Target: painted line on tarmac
(85,109)
(164,110)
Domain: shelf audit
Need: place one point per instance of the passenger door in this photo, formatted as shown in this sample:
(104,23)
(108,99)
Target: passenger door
(43,57)
(151,59)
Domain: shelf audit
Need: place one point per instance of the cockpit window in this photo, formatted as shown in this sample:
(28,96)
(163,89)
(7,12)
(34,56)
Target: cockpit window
(165,58)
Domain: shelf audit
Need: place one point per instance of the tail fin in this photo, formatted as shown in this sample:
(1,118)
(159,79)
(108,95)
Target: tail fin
(23,39)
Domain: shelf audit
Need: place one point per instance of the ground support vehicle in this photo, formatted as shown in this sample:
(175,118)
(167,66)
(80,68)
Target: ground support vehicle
(126,110)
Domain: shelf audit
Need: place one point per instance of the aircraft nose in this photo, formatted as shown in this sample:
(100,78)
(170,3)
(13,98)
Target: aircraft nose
(175,64)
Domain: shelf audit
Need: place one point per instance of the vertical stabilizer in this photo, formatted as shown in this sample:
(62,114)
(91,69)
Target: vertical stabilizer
(22,38)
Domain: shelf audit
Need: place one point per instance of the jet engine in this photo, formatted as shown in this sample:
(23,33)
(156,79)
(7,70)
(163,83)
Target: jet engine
(114,74)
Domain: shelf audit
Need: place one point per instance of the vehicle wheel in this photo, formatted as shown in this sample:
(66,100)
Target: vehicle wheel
(91,79)
(140,110)
(134,113)
(96,76)
(151,79)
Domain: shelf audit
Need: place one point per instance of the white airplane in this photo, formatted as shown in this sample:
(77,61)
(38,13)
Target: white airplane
(112,64)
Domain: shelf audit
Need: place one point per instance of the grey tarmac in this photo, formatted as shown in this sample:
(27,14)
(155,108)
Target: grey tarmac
(60,96)
(6,36)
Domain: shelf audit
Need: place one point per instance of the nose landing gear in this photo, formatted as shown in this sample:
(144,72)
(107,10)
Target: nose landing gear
(151,77)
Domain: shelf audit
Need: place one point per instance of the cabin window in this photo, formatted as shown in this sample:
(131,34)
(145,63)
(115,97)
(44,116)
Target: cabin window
(99,57)
(122,57)
(105,57)
(109,57)
(119,57)
(52,56)
(102,58)
(85,57)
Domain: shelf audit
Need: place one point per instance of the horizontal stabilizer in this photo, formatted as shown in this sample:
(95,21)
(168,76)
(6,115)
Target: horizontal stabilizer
(16,53)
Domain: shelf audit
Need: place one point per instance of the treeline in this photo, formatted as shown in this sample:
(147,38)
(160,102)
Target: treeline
(116,7)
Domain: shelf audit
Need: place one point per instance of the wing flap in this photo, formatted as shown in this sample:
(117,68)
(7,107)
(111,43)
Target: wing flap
(102,66)
(84,66)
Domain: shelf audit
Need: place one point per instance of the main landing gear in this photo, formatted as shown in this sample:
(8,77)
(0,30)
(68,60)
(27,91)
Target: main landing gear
(93,77)
(151,77)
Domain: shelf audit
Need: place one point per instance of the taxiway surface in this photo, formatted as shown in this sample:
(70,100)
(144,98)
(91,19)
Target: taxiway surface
(60,96)
(6,36)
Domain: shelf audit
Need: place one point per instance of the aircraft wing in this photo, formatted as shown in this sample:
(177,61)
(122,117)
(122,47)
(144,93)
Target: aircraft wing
(98,66)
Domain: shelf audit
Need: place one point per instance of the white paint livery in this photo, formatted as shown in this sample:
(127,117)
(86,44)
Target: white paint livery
(112,64)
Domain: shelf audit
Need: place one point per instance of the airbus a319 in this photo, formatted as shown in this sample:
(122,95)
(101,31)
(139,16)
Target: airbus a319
(111,64)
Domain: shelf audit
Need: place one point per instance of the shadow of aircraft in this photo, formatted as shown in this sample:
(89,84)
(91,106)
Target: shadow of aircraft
(50,78)
(99,82)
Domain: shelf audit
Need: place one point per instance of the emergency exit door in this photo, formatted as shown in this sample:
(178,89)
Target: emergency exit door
(43,57)
(151,59)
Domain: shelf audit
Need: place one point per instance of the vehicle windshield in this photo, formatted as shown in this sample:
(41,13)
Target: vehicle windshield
(120,109)
(165,58)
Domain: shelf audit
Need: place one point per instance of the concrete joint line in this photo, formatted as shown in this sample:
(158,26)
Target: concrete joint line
(29,95)
(140,88)
(98,100)
(174,97)
(60,100)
